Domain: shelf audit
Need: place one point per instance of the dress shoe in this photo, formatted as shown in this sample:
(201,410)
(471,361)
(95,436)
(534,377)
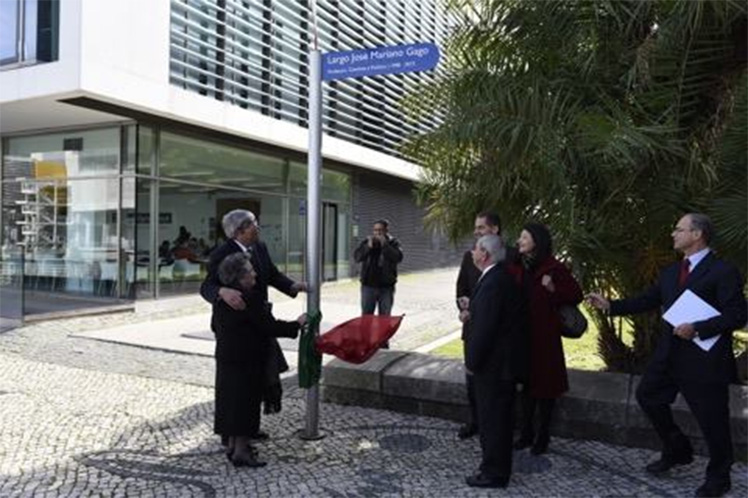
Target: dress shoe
(666,463)
(713,488)
(522,443)
(467,431)
(481,480)
(246,458)
(259,436)
(247,461)
(541,445)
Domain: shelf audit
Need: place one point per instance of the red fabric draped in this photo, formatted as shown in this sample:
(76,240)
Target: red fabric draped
(355,341)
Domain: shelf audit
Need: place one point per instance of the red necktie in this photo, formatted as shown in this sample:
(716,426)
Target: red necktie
(683,275)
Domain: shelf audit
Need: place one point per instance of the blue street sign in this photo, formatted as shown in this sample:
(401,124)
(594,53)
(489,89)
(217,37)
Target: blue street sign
(380,60)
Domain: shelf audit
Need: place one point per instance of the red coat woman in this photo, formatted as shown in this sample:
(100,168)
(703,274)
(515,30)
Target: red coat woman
(547,284)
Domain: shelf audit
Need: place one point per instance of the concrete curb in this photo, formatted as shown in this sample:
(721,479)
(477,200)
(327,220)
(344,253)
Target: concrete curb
(599,406)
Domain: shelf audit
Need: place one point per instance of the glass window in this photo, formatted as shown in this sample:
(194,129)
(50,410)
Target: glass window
(190,228)
(146,145)
(140,219)
(39,37)
(31,19)
(69,231)
(336,186)
(64,155)
(8,31)
(200,161)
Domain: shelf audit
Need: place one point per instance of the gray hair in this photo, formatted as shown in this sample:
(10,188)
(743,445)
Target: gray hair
(703,223)
(233,268)
(237,220)
(493,245)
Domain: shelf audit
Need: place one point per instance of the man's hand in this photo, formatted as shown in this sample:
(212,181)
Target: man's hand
(463,302)
(300,287)
(685,331)
(598,301)
(547,282)
(370,241)
(464,316)
(232,297)
(302,319)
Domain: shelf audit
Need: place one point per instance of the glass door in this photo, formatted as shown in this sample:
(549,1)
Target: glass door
(329,241)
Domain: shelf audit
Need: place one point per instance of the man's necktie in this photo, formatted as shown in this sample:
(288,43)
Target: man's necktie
(683,275)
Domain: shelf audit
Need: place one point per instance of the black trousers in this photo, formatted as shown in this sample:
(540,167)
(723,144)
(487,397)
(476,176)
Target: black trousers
(470,385)
(495,403)
(709,403)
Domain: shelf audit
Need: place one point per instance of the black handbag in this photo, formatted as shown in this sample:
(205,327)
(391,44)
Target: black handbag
(573,322)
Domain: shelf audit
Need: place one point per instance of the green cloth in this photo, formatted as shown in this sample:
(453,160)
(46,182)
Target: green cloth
(310,360)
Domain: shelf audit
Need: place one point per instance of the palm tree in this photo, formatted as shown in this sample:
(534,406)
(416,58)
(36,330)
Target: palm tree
(605,119)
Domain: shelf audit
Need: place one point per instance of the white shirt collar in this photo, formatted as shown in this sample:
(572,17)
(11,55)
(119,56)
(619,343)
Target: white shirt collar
(486,271)
(696,258)
(241,246)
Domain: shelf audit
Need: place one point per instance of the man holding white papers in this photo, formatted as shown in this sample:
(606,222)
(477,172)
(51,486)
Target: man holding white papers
(703,297)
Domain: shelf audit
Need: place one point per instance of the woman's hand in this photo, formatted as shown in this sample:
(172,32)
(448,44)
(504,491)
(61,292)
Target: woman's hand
(302,319)
(547,282)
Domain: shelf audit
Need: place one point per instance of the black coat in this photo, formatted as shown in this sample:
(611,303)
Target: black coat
(719,284)
(244,343)
(379,264)
(468,277)
(496,347)
(267,273)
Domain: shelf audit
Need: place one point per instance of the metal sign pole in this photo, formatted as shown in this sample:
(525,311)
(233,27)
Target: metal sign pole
(313,239)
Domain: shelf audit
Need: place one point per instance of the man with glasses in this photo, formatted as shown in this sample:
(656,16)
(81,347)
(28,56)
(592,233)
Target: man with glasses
(701,373)
(243,233)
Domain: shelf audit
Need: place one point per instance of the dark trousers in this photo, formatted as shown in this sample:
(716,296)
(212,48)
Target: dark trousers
(377,297)
(495,400)
(544,408)
(470,386)
(709,403)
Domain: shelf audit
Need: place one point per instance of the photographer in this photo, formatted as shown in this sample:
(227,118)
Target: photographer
(379,255)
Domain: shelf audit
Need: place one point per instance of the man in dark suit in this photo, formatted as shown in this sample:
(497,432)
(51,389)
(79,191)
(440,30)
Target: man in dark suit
(485,223)
(496,327)
(679,364)
(243,234)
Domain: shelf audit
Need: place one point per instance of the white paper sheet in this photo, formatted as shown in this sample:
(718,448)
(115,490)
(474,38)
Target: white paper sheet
(690,308)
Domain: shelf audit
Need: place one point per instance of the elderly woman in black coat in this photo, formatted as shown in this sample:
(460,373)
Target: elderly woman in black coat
(243,340)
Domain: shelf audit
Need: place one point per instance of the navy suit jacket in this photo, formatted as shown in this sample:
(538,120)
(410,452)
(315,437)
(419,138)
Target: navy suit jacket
(267,273)
(495,345)
(719,284)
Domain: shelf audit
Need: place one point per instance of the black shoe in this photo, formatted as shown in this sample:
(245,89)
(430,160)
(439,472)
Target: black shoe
(481,480)
(467,431)
(259,436)
(522,443)
(541,445)
(666,463)
(713,488)
(248,461)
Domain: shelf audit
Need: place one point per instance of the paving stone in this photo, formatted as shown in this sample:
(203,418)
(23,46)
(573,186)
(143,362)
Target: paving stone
(74,432)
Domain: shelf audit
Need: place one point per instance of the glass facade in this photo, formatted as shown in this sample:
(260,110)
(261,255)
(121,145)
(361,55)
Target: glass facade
(28,31)
(253,54)
(133,211)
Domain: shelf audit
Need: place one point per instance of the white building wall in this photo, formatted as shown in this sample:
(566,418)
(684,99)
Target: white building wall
(117,51)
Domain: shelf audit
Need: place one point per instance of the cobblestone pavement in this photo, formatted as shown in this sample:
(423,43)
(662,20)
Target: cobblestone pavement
(76,432)
(80,417)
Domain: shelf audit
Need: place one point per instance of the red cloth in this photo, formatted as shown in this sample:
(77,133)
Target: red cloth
(548,378)
(683,274)
(355,341)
